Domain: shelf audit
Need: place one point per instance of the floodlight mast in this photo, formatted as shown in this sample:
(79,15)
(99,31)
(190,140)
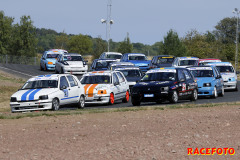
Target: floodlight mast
(236,11)
(108,22)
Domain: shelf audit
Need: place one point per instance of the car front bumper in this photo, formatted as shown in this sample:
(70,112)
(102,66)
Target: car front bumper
(205,91)
(144,96)
(230,85)
(75,70)
(30,106)
(97,99)
(50,67)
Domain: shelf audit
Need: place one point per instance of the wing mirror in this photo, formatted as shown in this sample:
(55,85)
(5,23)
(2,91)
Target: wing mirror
(63,87)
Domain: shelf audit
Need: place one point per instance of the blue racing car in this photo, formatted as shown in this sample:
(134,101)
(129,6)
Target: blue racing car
(209,80)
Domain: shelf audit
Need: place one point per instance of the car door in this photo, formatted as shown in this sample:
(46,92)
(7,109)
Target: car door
(182,84)
(123,84)
(74,91)
(116,86)
(218,79)
(43,59)
(57,63)
(190,83)
(64,94)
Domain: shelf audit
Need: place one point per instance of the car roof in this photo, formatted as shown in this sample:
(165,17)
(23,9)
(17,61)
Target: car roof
(47,77)
(72,54)
(135,53)
(122,63)
(183,58)
(126,68)
(200,67)
(105,59)
(164,56)
(220,63)
(113,53)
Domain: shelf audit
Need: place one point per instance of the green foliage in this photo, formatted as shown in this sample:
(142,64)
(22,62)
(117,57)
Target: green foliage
(125,46)
(81,44)
(99,47)
(61,41)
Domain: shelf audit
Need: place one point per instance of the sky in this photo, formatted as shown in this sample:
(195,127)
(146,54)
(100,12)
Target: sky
(146,21)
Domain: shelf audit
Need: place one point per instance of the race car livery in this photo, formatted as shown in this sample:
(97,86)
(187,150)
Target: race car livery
(228,74)
(105,87)
(209,80)
(185,61)
(163,84)
(48,92)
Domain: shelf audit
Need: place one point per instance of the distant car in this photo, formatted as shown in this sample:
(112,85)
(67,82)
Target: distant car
(48,92)
(165,84)
(228,74)
(185,61)
(138,59)
(207,60)
(114,65)
(111,55)
(105,87)
(161,61)
(209,80)
(101,64)
(133,74)
(48,60)
(71,63)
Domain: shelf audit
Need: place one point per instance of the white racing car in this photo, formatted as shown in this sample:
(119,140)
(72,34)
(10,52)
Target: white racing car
(105,87)
(48,92)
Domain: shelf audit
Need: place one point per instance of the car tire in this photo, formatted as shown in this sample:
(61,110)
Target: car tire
(111,99)
(55,104)
(215,94)
(174,97)
(236,89)
(81,103)
(126,98)
(56,71)
(194,95)
(136,102)
(222,92)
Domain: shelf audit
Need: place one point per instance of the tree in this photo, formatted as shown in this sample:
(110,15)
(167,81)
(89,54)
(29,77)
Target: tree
(6,28)
(173,45)
(81,44)
(99,47)
(125,46)
(61,41)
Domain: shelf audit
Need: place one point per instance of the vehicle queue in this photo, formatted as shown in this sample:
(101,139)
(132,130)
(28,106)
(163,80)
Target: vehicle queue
(164,78)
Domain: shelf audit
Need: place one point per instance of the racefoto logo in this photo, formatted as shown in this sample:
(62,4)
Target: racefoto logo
(211,151)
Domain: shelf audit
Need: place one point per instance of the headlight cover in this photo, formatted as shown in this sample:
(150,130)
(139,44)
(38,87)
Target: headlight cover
(232,79)
(164,89)
(207,85)
(43,97)
(13,99)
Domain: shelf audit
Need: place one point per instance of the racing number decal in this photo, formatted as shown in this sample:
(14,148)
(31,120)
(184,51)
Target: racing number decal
(183,87)
(65,92)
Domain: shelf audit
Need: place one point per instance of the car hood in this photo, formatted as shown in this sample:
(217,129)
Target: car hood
(33,94)
(140,63)
(75,63)
(226,76)
(201,80)
(153,85)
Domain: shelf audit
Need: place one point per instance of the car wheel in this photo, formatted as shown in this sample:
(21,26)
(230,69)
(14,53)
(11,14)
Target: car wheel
(56,71)
(215,94)
(111,99)
(81,103)
(236,89)
(194,96)
(126,98)
(55,104)
(174,97)
(222,92)
(136,102)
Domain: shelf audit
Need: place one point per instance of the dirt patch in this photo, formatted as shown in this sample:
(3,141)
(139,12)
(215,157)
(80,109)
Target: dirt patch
(149,134)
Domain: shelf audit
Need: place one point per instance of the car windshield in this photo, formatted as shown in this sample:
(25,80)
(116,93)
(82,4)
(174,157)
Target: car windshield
(114,56)
(159,76)
(131,73)
(137,57)
(72,58)
(225,69)
(187,62)
(40,84)
(202,73)
(103,64)
(52,55)
(96,79)
(165,60)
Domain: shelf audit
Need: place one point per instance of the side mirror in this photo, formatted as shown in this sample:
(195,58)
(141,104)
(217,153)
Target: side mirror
(43,58)
(182,80)
(63,87)
(116,83)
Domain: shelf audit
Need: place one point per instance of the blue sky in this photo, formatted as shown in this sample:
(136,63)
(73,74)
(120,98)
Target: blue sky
(146,21)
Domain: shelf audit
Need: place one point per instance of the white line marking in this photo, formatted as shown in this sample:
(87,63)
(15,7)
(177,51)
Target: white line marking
(17,72)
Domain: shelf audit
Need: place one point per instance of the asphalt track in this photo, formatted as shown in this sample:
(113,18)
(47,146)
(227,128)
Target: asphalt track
(27,71)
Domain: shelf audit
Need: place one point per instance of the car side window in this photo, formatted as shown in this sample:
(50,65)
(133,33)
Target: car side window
(121,78)
(71,81)
(218,74)
(115,79)
(63,82)
(187,75)
(181,75)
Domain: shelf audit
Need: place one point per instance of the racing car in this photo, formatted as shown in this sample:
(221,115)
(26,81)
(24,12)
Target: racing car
(185,61)
(105,87)
(165,84)
(48,60)
(209,80)
(228,74)
(46,92)
(101,64)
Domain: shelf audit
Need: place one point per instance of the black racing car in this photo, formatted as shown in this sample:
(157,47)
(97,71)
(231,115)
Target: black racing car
(163,84)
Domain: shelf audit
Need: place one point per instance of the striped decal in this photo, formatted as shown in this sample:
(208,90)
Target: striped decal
(90,90)
(69,98)
(86,87)
(24,96)
(101,72)
(94,72)
(31,96)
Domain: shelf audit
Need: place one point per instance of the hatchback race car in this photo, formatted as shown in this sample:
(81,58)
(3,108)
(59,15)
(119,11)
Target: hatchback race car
(228,74)
(161,61)
(105,87)
(48,92)
(185,61)
(48,60)
(209,80)
(71,63)
(163,84)
(101,64)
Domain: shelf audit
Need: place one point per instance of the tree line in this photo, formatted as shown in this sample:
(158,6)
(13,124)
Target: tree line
(24,38)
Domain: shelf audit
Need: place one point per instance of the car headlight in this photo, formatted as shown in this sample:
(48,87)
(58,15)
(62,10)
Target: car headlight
(207,85)
(13,99)
(65,63)
(232,79)
(49,62)
(164,89)
(43,97)
(102,91)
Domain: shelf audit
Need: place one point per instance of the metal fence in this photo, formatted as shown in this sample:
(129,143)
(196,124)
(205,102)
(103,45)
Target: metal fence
(5,59)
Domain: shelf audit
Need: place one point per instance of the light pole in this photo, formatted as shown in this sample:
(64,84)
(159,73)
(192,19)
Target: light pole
(108,22)
(236,11)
